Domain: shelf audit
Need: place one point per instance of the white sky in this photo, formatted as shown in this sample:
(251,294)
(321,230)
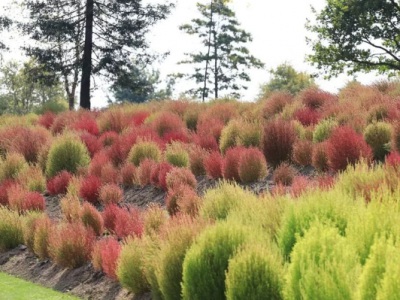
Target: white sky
(278,30)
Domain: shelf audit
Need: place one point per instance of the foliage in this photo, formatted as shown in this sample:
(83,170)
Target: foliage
(66,153)
(363,43)
(12,166)
(90,188)
(252,165)
(323,130)
(284,174)
(323,266)
(59,183)
(180,176)
(10,229)
(207,261)
(110,193)
(302,152)
(92,218)
(177,155)
(142,150)
(286,79)
(255,272)
(378,136)
(42,229)
(223,62)
(213,164)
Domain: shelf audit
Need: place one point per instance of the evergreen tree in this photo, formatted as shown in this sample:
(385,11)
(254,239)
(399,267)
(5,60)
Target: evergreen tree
(223,63)
(89,37)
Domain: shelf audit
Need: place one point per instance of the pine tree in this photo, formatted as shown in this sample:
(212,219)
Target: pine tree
(223,63)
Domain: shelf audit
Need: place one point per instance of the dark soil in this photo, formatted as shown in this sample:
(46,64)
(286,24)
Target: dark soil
(83,282)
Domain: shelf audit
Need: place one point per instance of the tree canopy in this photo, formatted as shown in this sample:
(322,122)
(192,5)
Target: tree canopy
(356,35)
(89,37)
(286,78)
(223,62)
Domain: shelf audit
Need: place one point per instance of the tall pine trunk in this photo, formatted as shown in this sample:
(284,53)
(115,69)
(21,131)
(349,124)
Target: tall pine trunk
(87,57)
(208,51)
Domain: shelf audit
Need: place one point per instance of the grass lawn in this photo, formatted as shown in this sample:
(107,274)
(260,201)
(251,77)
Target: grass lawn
(12,288)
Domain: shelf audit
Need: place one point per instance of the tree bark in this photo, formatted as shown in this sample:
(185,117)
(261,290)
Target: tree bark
(215,65)
(209,49)
(87,57)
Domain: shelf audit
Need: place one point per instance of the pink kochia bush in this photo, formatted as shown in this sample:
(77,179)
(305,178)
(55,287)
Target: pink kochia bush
(159,175)
(105,255)
(59,183)
(110,193)
(90,189)
(252,165)
(129,222)
(181,176)
(346,146)
(213,164)
(71,244)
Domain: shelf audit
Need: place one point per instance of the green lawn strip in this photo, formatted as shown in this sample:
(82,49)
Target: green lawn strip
(12,288)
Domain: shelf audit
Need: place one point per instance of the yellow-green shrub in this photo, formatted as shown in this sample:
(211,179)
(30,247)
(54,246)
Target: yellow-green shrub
(323,266)
(389,285)
(12,166)
(256,272)
(142,150)
(229,135)
(177,155)
(218,202)
(10,229)
(66,153)
(378,136)
(323,130)
(207,261)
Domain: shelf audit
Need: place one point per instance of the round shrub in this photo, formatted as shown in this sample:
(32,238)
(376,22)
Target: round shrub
(71,244)
(181,198)
(70,208)
(159,175)
(302,152)
(396,136)
(92,218)
(181,176)
(105,256)
(129,222)
(278,139)
(218,202)
(177,155)
(320,157)
(90,188)
(10,229)
(166,122)
(143,150)
(128,172)
(178,236)
(59,183)
(378,135)
(229,135)
(252,165)
(275,103)
(66,153)
(28,228)
(284,174)
(255,273)
(323,266)
(42,229)
(323,130)
(206,262)
(345,147)
(213,164)
(154,218)
(130,266)
(230,167)
(33,179)
(34,201)
(12,166)
(250,134)
(307,116)
(4,187)
(110,193)
(144,172)
(315,98)
(197,156)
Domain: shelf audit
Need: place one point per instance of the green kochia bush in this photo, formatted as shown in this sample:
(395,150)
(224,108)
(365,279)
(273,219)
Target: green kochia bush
(207,261)
(374,269)
(324,266)
(66,153)
(218,202)
(378,135)
(177,156)
(331,208)
(255,273)
(323,130)
(389,285)
(142,150)
(11,234)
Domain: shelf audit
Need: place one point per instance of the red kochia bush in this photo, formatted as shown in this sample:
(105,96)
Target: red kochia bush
(230,167)
(178,136)
(279,137)
(167,122)
(47,119)
(110,214)
(210,126)
(96,165)
(111,193)
(110,174)
(108,138)
(159,175)
(284,174)
(144,171)
(392,160)
(129,222)
(276,103)
(128,172)
(71,244)
(59,183)
(86,123)
(91,218)
(4,187)
(213,165)
(206,141)
(252,165)
(299,185)
(139,117)
(90,188)
(320,157)
(181,176)
(307,116)
(105,256)
(315,98)
(34,201)
(302,152)
(91,142)
(345,146)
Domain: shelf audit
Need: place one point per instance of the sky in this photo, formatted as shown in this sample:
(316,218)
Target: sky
(279,36)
